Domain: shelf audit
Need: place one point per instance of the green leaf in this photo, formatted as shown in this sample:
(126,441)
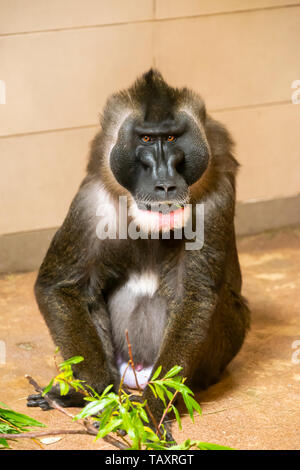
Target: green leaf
(126,418)
(72,360)
(94,407)
(186,445)
(156,373)
(76,384)
(48,387)
(167,392)
(6,428)
(105,416)
(106,390)
(4,443)
(191,405)
(64,387)
(209,446)
(160,393)
(177,416)
(143,415)
(171,383)
(95,394)
(4,406)
(67,373)
(174,371)
(19,419)
(153,390)
(195,405)
(157,446)
(139,425)
(113,424)
(188,405)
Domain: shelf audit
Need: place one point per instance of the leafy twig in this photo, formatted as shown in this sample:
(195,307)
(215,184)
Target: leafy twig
(53,403)
(90,429)
(8,436)
(139,388)
(132,362)
(39,434)
(167,410)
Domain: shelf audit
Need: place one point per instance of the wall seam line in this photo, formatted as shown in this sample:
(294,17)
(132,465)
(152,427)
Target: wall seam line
(90,126)
(154,20)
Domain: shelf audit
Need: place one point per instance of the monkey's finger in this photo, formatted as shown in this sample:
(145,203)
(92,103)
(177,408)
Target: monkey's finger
(34,402)
(35,396)
(45,406)
(37,401)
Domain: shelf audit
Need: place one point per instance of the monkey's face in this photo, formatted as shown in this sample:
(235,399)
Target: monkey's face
(157,162)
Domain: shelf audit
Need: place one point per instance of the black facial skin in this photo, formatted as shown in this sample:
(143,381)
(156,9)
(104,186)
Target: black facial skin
(197,318)
(159,170)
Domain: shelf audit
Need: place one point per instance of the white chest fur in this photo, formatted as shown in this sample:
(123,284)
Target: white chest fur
(138,307)
(145,284)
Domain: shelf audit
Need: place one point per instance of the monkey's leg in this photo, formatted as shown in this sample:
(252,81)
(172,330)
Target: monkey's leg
(194,341)
(74,331)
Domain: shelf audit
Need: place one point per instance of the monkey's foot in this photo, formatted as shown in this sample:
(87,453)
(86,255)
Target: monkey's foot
(72,399)
(38,400)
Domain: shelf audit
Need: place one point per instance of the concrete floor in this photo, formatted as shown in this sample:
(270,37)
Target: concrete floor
(254,406)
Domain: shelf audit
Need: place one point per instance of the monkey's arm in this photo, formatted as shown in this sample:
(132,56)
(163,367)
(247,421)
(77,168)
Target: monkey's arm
(66,314)
(187,339)
(64,294)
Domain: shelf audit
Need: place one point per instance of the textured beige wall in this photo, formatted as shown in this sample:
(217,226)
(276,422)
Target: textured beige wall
(61,59)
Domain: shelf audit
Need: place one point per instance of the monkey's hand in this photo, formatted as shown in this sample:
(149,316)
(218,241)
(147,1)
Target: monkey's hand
(72,399)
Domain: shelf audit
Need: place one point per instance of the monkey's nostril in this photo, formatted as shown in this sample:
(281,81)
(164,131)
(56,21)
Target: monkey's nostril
(165,187)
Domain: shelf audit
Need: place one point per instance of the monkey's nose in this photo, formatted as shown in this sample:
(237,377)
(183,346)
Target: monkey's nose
(165,188)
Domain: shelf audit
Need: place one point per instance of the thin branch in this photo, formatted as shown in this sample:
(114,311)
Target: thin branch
(83,392)
(120,435)
(138,385)
(166,410)
(132,363)
(122,381)
(87,425)
(18,429)
(39,434)
(53,403)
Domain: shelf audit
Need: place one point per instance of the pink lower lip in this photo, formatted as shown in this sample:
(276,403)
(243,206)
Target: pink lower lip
(167,220)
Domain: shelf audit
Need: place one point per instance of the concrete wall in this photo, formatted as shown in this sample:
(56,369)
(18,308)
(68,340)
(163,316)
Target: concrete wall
(60,59)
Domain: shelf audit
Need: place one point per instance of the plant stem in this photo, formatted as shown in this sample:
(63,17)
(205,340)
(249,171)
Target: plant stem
(166,410)
(50,401)
(39,434)
(122,381)
(132,363)
(138,385)
(18,429)
(89,427)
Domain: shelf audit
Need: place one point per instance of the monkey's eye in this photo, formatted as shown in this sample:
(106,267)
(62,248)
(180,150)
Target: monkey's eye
(171,138)
(146,139)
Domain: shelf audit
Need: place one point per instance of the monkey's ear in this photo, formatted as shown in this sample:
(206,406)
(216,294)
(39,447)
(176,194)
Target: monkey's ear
(222,147)
(219,139)
(192,101)
(203,113)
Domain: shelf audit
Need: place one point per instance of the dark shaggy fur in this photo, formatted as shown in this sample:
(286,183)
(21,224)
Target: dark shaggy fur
(206,318)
